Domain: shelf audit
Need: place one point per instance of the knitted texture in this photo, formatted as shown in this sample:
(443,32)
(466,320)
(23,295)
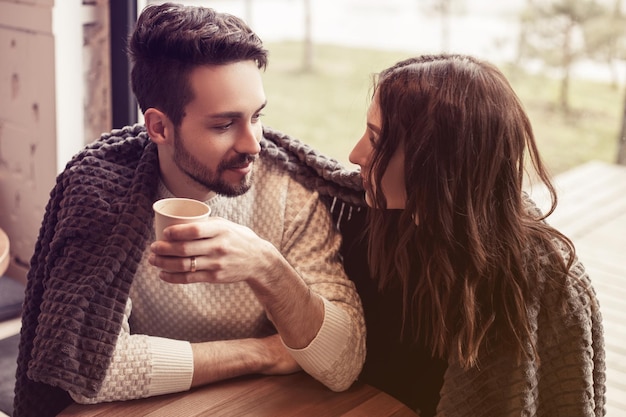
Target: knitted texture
(75,295)
(569,377)
(569,380)
(313,169)
(78,284)
(299,227)
(566,326)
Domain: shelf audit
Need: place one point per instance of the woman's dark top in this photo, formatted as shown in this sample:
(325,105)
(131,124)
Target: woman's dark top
(398,366)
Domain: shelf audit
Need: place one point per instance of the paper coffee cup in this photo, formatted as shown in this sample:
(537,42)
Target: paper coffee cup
(170,211)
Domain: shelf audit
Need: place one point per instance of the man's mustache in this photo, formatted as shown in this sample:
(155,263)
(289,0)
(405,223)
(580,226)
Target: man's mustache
(239,161)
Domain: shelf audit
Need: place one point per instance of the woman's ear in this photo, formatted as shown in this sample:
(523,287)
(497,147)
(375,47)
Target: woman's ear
(157,125)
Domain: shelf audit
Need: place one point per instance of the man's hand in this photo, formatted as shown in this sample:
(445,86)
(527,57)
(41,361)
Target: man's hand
(224,252)
(279,361)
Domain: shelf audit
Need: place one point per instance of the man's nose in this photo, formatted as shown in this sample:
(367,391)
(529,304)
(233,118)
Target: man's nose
(249,141)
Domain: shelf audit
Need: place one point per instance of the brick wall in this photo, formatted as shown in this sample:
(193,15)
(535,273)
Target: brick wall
(51,55)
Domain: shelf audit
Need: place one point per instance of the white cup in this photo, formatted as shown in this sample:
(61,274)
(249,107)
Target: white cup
(170,211)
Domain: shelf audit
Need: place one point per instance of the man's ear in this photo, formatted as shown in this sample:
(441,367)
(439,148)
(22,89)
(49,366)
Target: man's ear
(157,125)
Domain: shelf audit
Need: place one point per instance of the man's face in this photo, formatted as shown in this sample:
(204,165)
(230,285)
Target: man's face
(218,139)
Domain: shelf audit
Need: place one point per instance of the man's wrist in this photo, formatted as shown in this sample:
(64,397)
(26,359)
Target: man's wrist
(222,359)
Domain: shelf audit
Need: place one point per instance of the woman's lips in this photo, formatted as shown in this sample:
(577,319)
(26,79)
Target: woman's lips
(365,181)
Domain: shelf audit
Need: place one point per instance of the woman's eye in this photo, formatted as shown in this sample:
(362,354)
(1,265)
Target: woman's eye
(373,141)
(257,116)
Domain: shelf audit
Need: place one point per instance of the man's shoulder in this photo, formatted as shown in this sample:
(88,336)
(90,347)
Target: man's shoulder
(119,157)
(126,138)
(270,165)
(119,146)
(272,173)
(311,168)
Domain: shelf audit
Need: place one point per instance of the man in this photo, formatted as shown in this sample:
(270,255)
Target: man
(111,314)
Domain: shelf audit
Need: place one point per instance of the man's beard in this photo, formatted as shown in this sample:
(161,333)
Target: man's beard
(205,177)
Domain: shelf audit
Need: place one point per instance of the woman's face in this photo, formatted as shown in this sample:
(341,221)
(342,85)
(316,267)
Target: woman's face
(393,187)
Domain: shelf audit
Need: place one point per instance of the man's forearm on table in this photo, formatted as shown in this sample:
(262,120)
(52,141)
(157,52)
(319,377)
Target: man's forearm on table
(224,359)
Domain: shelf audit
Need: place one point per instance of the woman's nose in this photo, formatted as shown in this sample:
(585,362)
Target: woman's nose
(353,157)
(359,153)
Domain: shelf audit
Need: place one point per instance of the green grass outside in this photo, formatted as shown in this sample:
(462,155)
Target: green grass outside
(326,107)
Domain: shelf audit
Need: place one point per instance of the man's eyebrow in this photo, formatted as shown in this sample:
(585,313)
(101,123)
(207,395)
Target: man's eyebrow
(233,114)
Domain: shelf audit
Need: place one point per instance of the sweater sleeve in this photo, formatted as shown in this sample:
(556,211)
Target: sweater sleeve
(336,355)
(143,366)
(319,358)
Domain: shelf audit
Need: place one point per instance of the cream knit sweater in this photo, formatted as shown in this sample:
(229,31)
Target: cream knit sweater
(153,354)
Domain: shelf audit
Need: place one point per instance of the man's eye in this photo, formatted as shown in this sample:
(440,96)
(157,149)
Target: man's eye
(224,126)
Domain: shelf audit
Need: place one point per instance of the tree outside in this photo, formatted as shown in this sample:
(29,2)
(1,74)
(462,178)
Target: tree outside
(565,58)
(560,33)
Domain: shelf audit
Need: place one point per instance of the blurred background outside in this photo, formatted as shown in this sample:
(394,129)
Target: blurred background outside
(564,58)
(64,76)
(63,81)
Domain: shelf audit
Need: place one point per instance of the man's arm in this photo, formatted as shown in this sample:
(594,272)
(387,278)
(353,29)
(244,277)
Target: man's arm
(296,311)
(145,366)
(221,247)
(216,361)
(301,284)
(311,244)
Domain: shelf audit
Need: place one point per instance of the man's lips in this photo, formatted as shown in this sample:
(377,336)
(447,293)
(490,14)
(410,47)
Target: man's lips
(240,166)
(242,169)
(244,165)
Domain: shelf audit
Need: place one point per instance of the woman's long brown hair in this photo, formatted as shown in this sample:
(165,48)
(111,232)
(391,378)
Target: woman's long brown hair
(469,268)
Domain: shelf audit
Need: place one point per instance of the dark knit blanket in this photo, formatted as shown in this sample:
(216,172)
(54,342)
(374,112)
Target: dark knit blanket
(94,231)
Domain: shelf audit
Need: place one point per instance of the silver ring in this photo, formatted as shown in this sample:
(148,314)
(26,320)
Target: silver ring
(193,264)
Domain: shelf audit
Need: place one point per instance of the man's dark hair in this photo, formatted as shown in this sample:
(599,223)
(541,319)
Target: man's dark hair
(170,40)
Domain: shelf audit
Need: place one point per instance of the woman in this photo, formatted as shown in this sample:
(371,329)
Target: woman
(486,287)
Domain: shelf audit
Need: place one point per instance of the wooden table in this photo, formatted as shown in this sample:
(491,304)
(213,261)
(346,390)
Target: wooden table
(291,395)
